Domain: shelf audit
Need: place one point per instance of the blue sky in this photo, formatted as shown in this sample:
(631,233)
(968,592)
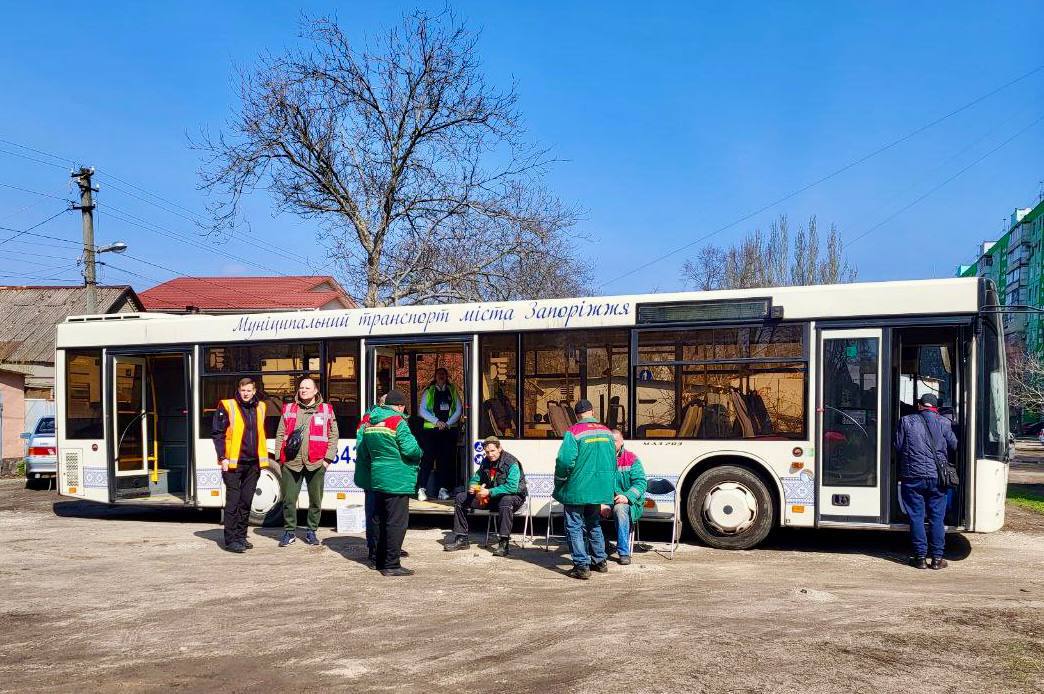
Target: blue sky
(672,120)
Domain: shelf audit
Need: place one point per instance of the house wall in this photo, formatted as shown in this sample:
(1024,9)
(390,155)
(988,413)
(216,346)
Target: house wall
(12,391)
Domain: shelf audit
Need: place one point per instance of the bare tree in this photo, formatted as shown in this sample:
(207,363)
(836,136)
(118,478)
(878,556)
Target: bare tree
(1025,380)
(771,260)
(413,164)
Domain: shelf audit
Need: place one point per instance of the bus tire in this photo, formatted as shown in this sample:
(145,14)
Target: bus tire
(266,508)
(729,507)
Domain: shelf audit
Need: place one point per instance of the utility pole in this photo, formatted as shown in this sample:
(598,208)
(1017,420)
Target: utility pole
(86,208)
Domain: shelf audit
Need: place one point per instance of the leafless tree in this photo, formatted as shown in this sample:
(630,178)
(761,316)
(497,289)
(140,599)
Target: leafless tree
(414,165)
(1025,379)
(771,260)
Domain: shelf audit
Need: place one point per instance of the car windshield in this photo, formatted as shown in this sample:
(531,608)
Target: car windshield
(45,426)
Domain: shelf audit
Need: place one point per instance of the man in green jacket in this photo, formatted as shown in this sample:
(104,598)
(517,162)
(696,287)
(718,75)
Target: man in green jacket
(585,477)
(386,460)
(629,499)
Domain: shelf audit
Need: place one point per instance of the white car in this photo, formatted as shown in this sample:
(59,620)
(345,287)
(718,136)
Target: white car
(41,458)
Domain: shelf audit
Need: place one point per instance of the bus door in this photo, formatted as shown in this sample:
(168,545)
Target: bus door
(852,448)
(132,450)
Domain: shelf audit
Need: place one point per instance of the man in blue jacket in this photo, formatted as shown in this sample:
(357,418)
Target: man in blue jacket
(924,442)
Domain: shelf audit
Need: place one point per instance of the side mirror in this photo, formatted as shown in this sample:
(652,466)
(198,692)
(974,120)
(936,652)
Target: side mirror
(25,435)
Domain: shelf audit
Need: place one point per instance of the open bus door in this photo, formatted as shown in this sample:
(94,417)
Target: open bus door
(133,450)
(852,450)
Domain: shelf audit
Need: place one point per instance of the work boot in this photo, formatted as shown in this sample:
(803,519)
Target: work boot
(459,542)
(310,538)
(601,567)
(918,562)
(422,495)
(501,550)
(236,547)
(625,559)
(248,544)
(401,571)
(581,572)
(288,538)
(939,563)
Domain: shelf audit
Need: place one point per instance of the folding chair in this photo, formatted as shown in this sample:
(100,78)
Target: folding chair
(550,522)
(659,487)
(527,526)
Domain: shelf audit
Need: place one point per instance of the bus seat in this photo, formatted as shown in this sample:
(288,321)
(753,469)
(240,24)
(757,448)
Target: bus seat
(745,422)
(557,417)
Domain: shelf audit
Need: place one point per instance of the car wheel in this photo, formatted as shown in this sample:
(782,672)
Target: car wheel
(729,507)
(266,508)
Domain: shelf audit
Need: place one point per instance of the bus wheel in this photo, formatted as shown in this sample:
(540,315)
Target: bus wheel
(266,508)
(730,508)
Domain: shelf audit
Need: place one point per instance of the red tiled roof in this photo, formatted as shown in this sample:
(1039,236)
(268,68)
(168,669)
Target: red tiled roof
(245,293)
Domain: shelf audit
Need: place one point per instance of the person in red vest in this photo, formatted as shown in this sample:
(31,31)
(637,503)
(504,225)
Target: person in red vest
(238,432)
(316,428)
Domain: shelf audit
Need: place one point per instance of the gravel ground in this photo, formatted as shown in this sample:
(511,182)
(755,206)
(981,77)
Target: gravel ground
(135,600)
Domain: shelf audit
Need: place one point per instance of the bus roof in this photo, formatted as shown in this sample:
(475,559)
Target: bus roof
(857,300)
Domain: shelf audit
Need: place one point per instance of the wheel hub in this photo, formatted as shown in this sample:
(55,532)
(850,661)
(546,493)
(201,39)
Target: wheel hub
(730,508)
(267,494)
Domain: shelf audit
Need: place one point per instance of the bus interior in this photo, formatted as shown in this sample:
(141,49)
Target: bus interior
(150,457)
(409,367)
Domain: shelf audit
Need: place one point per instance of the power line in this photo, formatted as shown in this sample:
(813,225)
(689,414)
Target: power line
(38,151)
(924,195)
(34,192)
(22,232)
(827,177)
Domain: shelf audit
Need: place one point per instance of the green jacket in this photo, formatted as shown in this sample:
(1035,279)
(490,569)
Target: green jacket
(631,482)
(585,469)
(386,460)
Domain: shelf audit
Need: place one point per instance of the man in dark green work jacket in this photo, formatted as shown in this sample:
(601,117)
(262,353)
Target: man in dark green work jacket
(386,460)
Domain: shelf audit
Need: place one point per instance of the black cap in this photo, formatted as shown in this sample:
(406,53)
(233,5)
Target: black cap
(929,400)
(583,406)
(395,398)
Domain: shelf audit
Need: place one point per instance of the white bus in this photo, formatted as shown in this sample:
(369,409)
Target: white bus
(763,407)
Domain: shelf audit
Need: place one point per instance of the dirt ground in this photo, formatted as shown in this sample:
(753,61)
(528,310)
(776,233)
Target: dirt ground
(135,600)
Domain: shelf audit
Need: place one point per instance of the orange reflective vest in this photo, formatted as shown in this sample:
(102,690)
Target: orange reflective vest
(234,433)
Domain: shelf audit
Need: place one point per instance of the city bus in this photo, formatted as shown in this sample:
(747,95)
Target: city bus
(762,408)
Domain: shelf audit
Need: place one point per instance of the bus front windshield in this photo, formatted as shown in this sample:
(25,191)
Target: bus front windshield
(993,384)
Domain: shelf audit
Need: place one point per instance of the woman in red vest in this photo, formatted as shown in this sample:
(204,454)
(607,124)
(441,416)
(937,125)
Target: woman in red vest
(315,421)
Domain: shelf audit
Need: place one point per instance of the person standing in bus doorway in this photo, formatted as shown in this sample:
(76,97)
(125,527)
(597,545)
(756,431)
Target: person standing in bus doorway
(629,497)
(386,460)
(440,407)
(924,441)
(502,483)
(309,426)
(238,432)
(585,477)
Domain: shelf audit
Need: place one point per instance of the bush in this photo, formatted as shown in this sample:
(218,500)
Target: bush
(20,468)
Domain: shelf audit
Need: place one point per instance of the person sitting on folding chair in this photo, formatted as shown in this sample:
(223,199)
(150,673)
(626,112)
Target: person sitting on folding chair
(501,482)
(629,497)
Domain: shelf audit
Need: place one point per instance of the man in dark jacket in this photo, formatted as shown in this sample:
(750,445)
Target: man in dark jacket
(499,481)
(924,442)
(238,432)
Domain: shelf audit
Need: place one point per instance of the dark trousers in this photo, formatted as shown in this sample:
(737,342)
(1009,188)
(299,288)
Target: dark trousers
(393,515)
(505,506)
(371,522)
(924,499)
(440,453)
(240,484)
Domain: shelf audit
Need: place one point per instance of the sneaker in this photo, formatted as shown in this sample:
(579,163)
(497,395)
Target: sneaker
(310,538)
(625,559)
(236,547)
(601,567)
(918,562)
(248,544)
(581,572)
(443,494)
(421,495)
(939,563)
(401,571)
(288,538)
(459,542)
(501,550)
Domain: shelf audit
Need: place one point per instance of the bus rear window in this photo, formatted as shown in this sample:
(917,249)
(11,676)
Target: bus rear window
(83,399)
